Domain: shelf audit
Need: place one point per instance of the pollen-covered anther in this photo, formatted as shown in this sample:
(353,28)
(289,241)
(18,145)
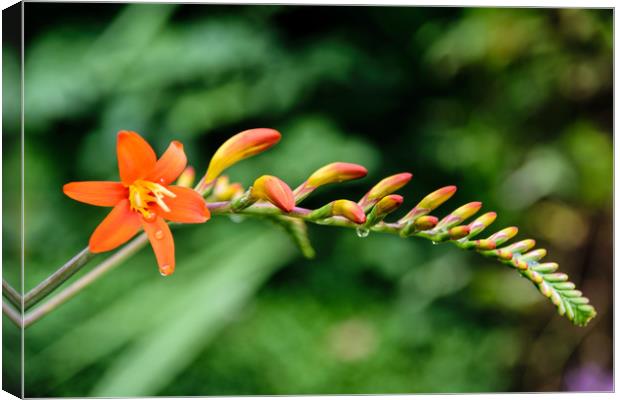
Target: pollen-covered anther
(142,193)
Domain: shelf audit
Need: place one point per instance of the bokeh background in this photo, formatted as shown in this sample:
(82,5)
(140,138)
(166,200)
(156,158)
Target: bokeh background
(514,106)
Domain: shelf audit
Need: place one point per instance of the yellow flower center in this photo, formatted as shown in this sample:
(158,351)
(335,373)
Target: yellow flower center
(141,193)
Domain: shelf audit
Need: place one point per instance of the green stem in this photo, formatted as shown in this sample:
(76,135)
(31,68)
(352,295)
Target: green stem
(57,278)
(12,314)
(110,263)
(11,294)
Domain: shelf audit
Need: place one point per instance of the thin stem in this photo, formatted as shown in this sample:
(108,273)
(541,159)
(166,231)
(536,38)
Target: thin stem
(12,314)
(11,294)
(57,278)
(77,286)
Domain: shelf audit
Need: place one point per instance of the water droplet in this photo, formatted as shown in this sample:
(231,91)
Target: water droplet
(362,232)
(236,218)
(165,270)
(159,234)
(149,216)
(162,181)
(435,243)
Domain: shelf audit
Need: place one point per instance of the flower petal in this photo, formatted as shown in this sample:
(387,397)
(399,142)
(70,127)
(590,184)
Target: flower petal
(162,242)
(118,227)
(188,206)
(136,157)
(170,165)
(97,193)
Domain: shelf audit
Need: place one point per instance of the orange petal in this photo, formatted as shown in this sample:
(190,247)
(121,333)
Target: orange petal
(118,227)
(105,194)
(162,242)
(275,191)
(136,157)
(239,147)
(170,165)
(188,206)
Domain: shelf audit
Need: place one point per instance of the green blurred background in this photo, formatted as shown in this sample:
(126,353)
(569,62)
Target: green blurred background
(514,106)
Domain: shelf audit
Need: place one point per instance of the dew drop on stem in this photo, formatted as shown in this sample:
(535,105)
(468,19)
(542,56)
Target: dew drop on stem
(362,232)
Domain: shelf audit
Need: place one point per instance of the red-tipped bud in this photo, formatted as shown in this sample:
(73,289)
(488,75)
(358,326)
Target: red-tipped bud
(458,232)
(350,210)
(385,187)
(504,235)
(388,204)
(437,198)
(239,147)
(425,223)
(225,191)
(275,191)
(460,214)
(430,202)
(335,173)
(186,179)
(480,223)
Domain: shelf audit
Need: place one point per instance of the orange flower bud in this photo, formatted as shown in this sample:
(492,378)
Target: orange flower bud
(437,198)
(388,204)
(335,173)
(383,188)
(186,179)
(429,203)
(458,232)
(350,210)
(239,147)
(425,223)
(225,191)
(275,191)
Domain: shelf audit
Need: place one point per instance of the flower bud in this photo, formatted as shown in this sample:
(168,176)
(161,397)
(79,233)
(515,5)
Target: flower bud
(480,223)
(275,191)
(521,246)
(483,244)
(534,255)
(459,215)
(186,179)
(385,206)
(504,235)
(458,232)
(335,173)
(225,191)
(425,223)
(430,202)
(388,204)
(239,147)
(546,268)
(350,210)
(383,188)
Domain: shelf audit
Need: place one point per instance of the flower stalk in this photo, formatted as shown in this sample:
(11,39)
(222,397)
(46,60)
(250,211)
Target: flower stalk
(146,198)
(11,294)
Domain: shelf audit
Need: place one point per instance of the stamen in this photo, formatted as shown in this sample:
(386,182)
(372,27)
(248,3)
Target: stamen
(141,193)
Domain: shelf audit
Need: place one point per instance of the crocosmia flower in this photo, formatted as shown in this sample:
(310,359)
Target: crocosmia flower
(143,199)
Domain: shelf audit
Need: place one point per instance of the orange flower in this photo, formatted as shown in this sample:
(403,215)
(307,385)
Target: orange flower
(143,198)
